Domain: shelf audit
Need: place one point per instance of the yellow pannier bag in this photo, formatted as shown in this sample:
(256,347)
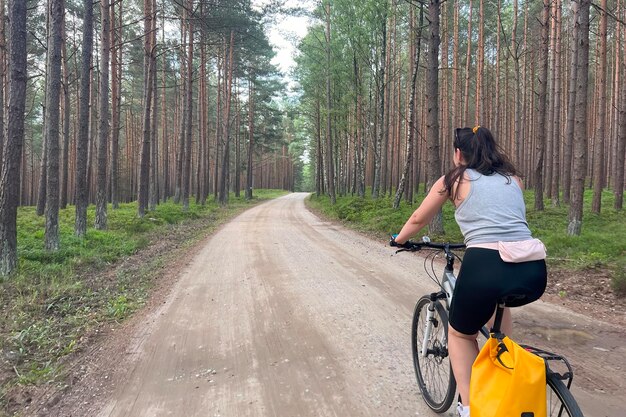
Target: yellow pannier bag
(507,381)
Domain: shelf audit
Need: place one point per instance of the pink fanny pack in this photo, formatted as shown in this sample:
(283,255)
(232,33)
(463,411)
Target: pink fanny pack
(522,251)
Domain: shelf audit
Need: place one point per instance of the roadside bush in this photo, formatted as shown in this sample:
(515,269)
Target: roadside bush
(618,281)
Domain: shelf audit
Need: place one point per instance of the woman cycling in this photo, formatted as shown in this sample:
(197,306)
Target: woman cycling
(501,259)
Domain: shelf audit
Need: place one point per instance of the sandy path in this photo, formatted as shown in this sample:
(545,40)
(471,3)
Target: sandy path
(283,314)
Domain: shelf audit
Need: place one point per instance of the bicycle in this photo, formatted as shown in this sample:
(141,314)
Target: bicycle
(429,336)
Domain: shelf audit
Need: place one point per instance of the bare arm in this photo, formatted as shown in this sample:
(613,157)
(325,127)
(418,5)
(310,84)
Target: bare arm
(424,213)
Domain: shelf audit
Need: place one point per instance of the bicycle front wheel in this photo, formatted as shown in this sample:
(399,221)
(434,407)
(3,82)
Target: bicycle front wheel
(429,340)
(561,402)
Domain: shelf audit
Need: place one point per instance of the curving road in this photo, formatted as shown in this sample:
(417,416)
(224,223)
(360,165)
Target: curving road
(284,314)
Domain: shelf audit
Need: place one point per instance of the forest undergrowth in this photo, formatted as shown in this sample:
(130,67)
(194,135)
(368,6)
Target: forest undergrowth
(56,300)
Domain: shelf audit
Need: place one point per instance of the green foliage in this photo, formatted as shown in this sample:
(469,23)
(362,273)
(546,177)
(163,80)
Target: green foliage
(118,307)
(378,216)
(619,278)
(602,243)
(55,298)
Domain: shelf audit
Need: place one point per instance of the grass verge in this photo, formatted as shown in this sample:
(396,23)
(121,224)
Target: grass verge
(54,299)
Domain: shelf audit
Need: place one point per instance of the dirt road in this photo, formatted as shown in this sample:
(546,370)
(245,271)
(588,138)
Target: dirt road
(283,314)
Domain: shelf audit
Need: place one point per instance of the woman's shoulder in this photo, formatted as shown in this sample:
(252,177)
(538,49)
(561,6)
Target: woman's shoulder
(519,181)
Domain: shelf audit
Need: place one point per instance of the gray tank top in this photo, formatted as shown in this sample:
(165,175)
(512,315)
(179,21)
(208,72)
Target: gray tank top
(493,211)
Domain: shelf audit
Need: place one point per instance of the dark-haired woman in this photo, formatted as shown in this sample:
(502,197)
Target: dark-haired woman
(501,259)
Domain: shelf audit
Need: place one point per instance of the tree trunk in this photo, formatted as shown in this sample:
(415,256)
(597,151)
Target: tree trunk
(153,186)
(165,148)
(116,101)
(52,115)
(180,154)
(66,119)
(43,172)
(479,116)
(319,177)
(556,110)
(621,140)
(542,108)
(412,118)
(519,135)
(599,142)
(468,63)
(579,169)
(3,58)
(103,128)
(432,107)
(568,143)
(82,142)
(144,164)
(186,183)
(248,193)
(12,156)
(330,174)
(203,164)
(228,92)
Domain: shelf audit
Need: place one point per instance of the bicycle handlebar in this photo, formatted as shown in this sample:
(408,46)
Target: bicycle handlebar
(413,246)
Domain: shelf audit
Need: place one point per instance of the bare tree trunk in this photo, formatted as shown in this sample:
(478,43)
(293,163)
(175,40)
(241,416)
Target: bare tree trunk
(66,118)
(468,63)
(186,183)
(319,178)
(153,186)
(144,164)
(12,156)
(82,142)
(43,173)
(116,101)
(618,188)
(412,118)
(52,115)
(479,116)
(248,193)
(542,108)
(228,91)
(497,126)
(579,170)
(432,102)
(165,148)
(237,179)
(3,58)
(568,143)
(180,154)
(456,62)
(103,128)
(218,127)
(203,164)
(556,110)
(329,156)
(599,143)
(548,167)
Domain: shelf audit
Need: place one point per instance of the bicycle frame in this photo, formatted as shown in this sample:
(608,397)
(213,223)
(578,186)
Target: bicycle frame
(448,282)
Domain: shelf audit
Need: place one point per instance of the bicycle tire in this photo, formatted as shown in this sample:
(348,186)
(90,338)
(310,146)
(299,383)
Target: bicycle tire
(561,402)
(434,372)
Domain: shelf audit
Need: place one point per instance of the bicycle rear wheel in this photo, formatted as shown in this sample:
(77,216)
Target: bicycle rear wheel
(433,370)
(561,402)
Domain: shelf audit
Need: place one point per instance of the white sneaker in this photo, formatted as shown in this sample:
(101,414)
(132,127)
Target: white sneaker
(462,410)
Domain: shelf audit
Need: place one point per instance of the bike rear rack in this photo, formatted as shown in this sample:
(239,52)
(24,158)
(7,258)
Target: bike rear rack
(549,356)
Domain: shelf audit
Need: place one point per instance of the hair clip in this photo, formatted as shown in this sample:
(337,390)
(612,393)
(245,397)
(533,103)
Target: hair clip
(475,129)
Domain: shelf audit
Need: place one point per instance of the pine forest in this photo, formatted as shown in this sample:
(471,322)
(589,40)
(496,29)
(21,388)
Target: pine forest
(117,101)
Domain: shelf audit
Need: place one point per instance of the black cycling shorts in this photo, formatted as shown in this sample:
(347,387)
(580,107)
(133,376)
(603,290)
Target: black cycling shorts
(484,279)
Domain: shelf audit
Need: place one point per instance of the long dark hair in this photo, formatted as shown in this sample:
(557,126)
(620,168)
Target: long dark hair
(481,153)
